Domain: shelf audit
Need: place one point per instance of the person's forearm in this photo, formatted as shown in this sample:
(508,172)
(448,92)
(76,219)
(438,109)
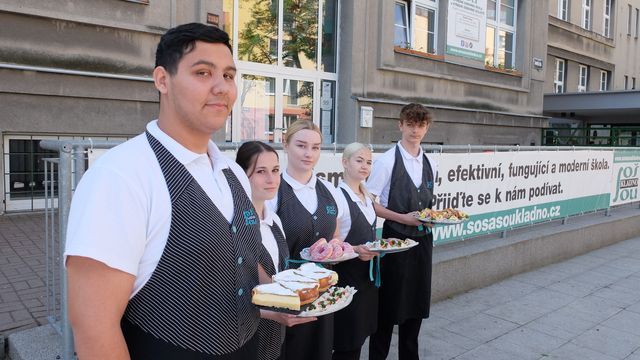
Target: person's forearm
(387,214)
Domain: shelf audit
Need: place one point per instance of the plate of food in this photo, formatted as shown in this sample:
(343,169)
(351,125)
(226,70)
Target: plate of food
(307,291)
(446,216)
(329,252)
(391,245)
(335,299)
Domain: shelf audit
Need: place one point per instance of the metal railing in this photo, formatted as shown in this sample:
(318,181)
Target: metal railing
(628,136)
(71,153)
(71,166)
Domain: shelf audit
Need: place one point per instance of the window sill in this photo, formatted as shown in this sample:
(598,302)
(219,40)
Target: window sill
(418,53)
(511,72)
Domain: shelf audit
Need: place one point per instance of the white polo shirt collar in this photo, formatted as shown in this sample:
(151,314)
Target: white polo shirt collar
(267,216)
(405,154)
(296,185)
(355,198)
(184,155)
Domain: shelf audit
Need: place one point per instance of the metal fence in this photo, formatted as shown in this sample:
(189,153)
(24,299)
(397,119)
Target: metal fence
(71,165)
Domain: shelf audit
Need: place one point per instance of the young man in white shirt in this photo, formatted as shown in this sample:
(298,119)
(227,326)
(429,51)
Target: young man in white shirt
(403,178)
(162,238)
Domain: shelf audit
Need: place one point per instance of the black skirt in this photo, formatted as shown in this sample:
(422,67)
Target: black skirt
(353,324)
(406,281)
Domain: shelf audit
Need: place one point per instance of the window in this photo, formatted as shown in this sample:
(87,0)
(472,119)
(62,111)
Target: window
(563,10)
(626,82)
(606,26)
(586,14)
(637,19)
(633,83)
(401,25)
(558,80)
(500,33)
(284,51)
(629,20)
(604,80)
(583,78)
(425,29)
(415,25)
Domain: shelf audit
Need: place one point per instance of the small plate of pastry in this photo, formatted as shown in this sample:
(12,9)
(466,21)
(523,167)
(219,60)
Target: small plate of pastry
(446,216)
(307,291)
(329,252)
(391,245)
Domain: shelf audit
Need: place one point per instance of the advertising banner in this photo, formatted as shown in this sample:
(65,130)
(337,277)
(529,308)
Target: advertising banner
(466,28)
(510,189)
(626,171)
(506,190)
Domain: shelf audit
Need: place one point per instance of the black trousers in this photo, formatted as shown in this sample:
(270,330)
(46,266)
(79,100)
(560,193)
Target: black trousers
(346,355)
(408,332)
(144,346)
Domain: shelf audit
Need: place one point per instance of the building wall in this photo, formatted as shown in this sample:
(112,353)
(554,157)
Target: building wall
(627,51)
(618,53)
(462,93)
(82,68)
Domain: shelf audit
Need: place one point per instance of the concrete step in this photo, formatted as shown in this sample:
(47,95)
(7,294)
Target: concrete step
(40,343)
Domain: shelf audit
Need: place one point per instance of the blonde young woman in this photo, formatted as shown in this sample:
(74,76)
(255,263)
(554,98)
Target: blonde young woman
(260,163)
(309,209)
(358,226)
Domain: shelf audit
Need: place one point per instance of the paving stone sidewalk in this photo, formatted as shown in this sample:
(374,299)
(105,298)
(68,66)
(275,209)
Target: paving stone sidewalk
(22,269)
(586,308)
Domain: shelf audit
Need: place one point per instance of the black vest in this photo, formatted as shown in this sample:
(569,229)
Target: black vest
(404,197)
(271,334)
(199,296)
(361,230)
(302,228)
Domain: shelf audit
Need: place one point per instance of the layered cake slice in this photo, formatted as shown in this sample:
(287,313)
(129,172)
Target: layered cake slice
(275,295)
(325,277)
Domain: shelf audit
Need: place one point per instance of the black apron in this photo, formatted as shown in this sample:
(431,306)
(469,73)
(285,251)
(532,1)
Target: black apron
(353,324)
(197,302)
(406,276)
(270,333)
(314,340)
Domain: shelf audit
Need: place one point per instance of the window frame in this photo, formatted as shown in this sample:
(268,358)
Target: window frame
(626,82)
(428,5)
(606,19)
(563,10)
(583,78)
(558,83)
(410,16)
(499,26)
(604,80)
(586,14)
(637,22)
(280,71)
(405,4)
(629,24)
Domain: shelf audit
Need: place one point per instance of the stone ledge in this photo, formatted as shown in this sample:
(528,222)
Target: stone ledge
(463,266)
(40,343)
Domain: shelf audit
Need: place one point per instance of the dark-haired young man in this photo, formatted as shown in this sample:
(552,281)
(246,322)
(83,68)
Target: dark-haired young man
(162,239)
(403,179)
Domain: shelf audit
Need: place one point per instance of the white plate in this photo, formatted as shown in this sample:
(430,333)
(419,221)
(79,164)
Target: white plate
(374,246)
(304,254)
(443,221)
(331,308)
